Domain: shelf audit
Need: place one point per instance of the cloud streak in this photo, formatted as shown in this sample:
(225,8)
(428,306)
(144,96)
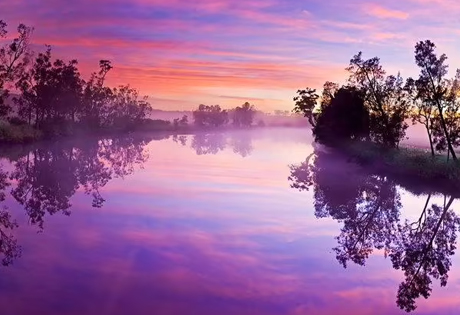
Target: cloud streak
(199,50)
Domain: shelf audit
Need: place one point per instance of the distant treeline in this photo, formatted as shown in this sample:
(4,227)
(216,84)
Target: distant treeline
(374,106)
(51,99)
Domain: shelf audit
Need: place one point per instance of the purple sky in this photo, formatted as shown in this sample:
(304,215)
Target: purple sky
(185,52)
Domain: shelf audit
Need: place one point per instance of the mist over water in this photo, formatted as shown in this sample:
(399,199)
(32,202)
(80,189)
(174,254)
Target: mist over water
(241,222)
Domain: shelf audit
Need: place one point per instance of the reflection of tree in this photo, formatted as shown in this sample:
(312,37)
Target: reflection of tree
(213,143)
(423,250)
(48,177)
(210,143)
(241,144)
(9,249)
(369,208)
(123,154)
(180,139)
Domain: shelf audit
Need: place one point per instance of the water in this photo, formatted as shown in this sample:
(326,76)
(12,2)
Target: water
(209,224)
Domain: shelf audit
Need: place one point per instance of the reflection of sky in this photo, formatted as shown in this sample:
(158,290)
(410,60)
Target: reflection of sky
(211,234)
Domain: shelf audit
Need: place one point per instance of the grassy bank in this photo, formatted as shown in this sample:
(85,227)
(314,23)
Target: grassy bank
(406,164)
(22,133)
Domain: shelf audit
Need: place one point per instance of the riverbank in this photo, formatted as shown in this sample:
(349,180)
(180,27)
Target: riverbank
(414,166)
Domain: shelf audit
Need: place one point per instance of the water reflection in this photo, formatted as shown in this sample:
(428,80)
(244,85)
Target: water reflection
(46,177)
(44,180)
(213,143)
(9,248)
(368,206)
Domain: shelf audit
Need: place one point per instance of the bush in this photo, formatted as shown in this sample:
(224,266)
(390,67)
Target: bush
(407,162)
(345,118)
(10,133)
(17,121)
(155,125)
(56,128)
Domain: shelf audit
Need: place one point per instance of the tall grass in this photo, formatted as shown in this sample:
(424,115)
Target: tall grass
(405,161)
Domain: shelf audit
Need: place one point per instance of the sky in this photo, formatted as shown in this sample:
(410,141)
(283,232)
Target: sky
(182,53)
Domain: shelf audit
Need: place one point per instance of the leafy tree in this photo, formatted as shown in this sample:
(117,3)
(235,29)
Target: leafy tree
(243,116)
(14,57)
(180,122)
(305,103)
(97,98)
(422,108)
(126,109)
(451,118)
(210,116)
(433,69)
(344,117)
(51,92)
(329,91)
(384,98)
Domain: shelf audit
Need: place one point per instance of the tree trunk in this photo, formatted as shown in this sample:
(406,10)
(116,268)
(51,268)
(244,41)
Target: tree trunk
(446,134)
(430,139)
(441,116)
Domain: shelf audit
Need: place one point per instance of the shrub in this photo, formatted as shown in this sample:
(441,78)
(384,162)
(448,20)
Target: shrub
(18,134)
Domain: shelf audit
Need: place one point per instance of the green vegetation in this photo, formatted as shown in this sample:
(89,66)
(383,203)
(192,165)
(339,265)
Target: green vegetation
(413,162)
(367,117)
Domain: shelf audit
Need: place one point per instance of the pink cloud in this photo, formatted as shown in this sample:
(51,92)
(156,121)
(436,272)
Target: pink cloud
(385,13)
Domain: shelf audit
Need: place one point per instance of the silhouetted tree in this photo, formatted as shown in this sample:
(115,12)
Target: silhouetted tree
(180,122)
(126,109)
(210,116)
(344,118)
(243,116)
(329,91)
(451,119)
(51,93)
(14,57)
(384,98)
(305,103)
(422,108)
(433,69)
(97,98)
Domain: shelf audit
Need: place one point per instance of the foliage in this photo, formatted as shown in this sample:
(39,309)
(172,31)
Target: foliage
(384,98)
(11,133)
(305,103)
(14,57)
(343,117)
(433,70)
(210,116)
(180,122)
(243,116)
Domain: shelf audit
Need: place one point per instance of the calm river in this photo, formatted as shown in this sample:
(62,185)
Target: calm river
(249,222)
